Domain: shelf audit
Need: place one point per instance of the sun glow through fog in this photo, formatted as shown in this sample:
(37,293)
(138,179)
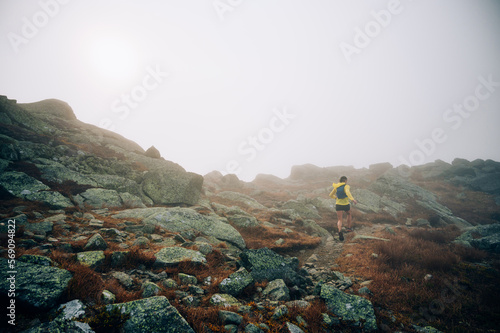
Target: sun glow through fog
(113,58)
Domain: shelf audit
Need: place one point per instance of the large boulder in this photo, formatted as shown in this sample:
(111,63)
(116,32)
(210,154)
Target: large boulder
(241,198)
(38,286)
(351,308)
(484,237)
(92,259)
(236,282)
(184,219)
(23,186)
(277,290)
(153,314)
(304,210)
(56,172)
(394,186)
(99,198)
(172,186)
(266,265)
(173,256)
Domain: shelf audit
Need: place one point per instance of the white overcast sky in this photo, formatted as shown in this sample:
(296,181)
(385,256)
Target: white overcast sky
(258,86)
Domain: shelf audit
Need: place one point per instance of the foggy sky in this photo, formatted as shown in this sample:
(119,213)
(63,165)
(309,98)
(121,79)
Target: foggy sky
(253,87)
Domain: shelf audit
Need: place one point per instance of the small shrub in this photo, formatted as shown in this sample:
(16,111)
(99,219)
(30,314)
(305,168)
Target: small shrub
(104,321)
(470,254)
(85,285)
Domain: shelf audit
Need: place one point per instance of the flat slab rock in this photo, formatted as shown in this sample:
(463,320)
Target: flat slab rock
(172,256)
(153,314)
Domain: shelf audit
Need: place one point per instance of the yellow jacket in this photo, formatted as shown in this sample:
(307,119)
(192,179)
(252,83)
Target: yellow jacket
(344,201)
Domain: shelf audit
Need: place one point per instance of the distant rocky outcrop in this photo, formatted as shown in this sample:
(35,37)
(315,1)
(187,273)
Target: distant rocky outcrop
(47,155)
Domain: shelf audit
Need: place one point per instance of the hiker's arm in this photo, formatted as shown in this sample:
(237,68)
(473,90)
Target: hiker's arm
(349,195)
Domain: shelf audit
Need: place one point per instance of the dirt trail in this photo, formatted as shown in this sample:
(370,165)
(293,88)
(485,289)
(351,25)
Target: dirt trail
(331,247)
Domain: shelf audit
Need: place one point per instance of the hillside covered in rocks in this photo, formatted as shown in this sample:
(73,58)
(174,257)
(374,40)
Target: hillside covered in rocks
(99,235)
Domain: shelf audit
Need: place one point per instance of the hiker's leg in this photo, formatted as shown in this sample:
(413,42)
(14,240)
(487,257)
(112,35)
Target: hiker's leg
(349,219)
(340,216)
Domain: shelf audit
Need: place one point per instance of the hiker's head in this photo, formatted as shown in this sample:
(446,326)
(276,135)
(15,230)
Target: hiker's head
(343,179)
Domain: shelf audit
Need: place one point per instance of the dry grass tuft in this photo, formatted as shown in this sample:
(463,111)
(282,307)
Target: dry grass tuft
(263,236)
(122,295)
(86,284)
(440,236)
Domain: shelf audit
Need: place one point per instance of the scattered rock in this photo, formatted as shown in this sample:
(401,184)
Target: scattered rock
(228,317)
(186,279)
(293,328)
(225,300)
(35,259)
(150,289)
(124,279)
(351,308)
(96,242)
(265,264)
(93,259)
(483,237)
(108,297)
(236,282)
(277,290)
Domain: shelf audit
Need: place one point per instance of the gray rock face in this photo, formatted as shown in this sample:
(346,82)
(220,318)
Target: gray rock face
(306,211)
(96,242)
(171,186)
(36,285)
(184,219)
(224,300)
(153,314)
(35,259)
(99,198)
(394,186)
(265,264)
(236,282)
(65,149)
(172,256)
(277,290)
(92,259)
(228,317)
(484,237)
(23,186)
(242,198)
(355,309)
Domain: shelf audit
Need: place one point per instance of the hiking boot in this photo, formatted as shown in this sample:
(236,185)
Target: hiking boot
(349,230)
(341,236)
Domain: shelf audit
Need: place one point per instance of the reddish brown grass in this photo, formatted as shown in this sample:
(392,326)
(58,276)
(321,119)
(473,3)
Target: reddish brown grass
(398,282)
(122,295)
(86,284)
(263,236)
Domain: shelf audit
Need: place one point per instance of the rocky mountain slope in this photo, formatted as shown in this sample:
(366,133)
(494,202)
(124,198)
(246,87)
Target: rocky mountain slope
(101,235)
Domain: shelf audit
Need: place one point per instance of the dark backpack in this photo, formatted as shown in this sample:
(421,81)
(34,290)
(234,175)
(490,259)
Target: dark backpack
(341,192)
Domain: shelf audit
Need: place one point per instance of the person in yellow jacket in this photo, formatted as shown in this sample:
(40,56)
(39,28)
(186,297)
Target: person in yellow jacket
(342,194)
